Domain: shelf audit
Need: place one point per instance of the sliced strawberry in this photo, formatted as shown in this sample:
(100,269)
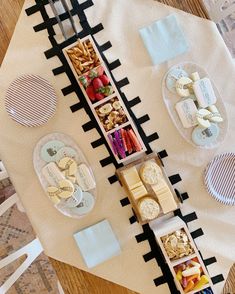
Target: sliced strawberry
(99,96)
(97,84)
(91,93)
(104,79)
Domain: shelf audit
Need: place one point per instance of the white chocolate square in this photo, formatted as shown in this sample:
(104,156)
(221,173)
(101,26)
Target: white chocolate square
(139,192)
(204,92)
(132,178)
(165,196)
(187,110)
(167,202)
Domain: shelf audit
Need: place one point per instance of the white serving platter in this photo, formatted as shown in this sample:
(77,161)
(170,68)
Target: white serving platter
(39,163)
(170,100)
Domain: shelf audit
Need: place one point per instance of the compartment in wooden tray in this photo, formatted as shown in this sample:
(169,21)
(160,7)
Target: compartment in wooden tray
(191,275)
(148,188)
(111,114)
(177,244)
(181,255)
(96,84)
(125,142)
(82,56)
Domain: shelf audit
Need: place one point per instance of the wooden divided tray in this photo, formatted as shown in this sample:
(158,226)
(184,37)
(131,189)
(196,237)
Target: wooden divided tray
(105,102)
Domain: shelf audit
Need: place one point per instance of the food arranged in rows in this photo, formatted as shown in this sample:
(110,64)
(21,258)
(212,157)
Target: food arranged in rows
(191,275)
(104,100)
(124,142)
(148,188)
(111,114)
(182,256)
(177,245)
(96,83)
(197,103)
(83,56)
(65,175)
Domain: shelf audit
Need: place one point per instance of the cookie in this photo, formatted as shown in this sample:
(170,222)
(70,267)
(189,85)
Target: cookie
(69,164)
(148,208)
(150,172)
(84,178)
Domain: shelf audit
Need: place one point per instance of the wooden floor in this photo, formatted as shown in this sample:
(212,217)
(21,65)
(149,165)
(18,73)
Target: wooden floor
(73,280)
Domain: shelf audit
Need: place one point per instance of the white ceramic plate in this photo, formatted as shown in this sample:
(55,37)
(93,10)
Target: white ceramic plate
(220,178)
(39,163)
(170,100)
(30,100)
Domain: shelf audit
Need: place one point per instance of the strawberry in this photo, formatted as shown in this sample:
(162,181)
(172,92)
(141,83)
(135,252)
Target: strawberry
(93,73)
(85,80)
(100,71)
(104,79)
(99,96)
(108,90)
(91,93)
(97,84)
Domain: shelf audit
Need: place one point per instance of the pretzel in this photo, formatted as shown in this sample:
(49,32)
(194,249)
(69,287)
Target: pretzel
(83,56)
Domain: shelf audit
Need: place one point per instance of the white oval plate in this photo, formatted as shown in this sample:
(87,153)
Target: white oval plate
(39,163)
(30,100)
(170,100)
(220,178)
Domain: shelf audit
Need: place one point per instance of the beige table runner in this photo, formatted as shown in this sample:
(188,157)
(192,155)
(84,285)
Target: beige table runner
(121,20)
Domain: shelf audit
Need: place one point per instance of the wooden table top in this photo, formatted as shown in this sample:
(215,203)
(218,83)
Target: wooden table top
(73,280)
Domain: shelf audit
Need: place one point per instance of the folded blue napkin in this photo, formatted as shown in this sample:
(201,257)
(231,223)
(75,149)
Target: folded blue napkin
(97,243)
(164,39)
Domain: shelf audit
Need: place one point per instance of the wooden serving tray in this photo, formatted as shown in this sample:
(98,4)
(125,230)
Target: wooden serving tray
(96,104)
(163,228)
(133,202)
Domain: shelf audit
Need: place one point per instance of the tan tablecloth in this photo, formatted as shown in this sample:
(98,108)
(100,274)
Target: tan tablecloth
(121,20)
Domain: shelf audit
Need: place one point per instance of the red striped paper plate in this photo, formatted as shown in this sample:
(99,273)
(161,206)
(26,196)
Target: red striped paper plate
(30,100)
(220,178)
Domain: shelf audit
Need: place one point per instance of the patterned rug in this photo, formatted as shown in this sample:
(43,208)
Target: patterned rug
(15,232)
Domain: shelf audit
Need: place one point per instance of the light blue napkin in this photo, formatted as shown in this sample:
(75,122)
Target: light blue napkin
(97,243)
(164,39)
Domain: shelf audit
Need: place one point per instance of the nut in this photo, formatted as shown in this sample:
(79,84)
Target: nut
(109,116)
